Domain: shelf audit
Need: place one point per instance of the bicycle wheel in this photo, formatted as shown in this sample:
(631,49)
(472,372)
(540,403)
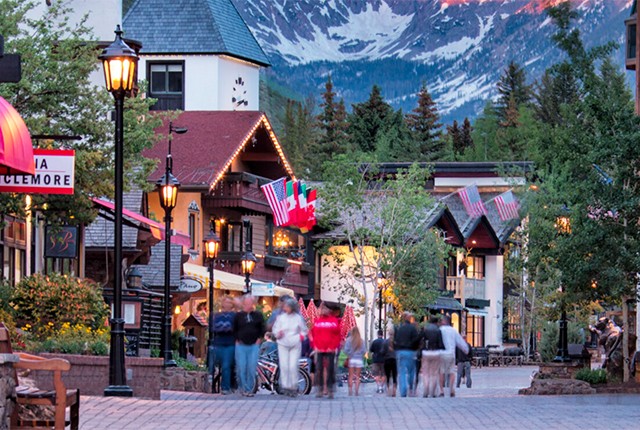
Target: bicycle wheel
(304,382)
(256,385)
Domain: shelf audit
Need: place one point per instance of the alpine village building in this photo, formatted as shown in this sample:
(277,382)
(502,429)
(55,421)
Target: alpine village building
(202,61)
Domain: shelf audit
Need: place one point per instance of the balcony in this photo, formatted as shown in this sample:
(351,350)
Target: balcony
(239,190)
(466,288)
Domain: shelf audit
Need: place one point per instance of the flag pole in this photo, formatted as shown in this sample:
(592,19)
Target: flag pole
(490,200)
(455,192)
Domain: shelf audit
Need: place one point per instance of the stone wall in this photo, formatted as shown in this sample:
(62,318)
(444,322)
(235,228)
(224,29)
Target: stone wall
(7,388)
(560,370)
(178,379)
(91,375)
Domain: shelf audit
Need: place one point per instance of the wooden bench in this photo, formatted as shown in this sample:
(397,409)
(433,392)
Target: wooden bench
(60,398)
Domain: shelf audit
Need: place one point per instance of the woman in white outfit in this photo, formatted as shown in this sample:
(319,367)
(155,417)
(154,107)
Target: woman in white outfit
(289,329)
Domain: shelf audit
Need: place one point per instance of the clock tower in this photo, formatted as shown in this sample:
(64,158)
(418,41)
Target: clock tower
(199,57)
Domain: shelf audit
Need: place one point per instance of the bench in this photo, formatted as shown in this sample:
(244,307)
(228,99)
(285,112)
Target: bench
(60,398)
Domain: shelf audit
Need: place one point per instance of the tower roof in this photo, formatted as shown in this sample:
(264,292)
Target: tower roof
(192,27)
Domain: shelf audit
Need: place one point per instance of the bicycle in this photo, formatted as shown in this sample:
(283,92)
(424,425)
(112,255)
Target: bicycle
(268,375)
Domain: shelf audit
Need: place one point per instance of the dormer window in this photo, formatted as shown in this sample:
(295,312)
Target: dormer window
(166,84)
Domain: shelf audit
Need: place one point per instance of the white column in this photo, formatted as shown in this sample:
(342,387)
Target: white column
(494,278)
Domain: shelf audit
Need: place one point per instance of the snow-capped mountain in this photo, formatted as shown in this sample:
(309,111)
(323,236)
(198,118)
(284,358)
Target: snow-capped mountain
(459,47)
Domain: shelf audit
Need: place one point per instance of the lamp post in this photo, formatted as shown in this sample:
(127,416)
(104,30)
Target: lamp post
(168,193)
(211,247)
(249,260)
(134,278)
(120,63)
(563,226)
(381,283)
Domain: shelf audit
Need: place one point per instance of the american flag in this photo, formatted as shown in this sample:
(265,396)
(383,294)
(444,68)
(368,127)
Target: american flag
(507,205)
(472,201)
(277,197)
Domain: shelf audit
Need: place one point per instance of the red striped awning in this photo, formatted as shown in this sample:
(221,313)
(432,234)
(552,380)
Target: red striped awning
(16,149)
(157,229)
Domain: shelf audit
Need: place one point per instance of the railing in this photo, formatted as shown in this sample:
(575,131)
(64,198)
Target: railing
(467,288)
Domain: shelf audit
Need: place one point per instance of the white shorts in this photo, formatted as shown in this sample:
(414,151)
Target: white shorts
(447,364)
(356,362)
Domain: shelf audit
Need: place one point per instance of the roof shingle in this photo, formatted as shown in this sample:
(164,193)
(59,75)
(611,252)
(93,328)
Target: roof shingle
(192,27)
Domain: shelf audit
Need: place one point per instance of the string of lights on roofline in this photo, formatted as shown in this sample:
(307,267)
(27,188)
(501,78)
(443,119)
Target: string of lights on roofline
(262,121)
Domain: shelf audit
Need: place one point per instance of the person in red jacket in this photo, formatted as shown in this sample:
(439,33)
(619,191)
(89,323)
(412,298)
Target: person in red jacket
(325,340)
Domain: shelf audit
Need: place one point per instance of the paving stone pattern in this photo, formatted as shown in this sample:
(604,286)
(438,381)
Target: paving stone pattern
(492,403)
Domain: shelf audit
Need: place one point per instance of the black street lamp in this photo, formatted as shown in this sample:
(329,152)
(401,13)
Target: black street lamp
(382,280)
(249,260)
(211,248)
(563,226)
(248,263)
(120,63)
(168,193)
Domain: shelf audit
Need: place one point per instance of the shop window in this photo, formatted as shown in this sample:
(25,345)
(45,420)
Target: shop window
(475,330)
(286,243)
(14,255)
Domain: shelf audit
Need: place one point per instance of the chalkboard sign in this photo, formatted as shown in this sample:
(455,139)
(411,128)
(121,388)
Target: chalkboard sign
(61,242)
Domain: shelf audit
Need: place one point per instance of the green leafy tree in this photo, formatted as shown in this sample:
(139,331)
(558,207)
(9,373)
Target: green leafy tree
(56,97)
(597,258)
(425,128)
(381,232)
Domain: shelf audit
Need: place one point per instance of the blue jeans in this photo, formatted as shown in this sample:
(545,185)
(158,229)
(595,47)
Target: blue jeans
(222,356)
(246,365)
(406,370)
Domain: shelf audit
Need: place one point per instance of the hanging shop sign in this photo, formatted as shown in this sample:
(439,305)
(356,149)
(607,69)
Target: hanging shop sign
(262,289)
(55,174)
(61,242)
(189,285)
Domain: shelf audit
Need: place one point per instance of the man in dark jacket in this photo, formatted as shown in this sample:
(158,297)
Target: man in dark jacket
(433,347)
(406,343)
(464,366)
(377,364)
(248,327)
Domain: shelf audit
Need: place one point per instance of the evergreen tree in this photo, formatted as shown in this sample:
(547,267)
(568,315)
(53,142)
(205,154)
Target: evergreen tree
(423,124)
(558,87)
(467,139)
(298,137)
(454,133)
(513,92)
(367,120)
(332,131)
(396,142)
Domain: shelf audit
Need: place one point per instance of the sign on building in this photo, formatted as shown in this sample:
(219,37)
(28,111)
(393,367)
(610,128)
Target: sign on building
(189,285)
(262,289)
(61,242)
(55,174)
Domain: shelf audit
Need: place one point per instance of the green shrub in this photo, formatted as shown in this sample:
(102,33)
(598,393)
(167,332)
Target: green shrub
(593,377)
(76,339)
(42,304)
(548,345)
(189,365)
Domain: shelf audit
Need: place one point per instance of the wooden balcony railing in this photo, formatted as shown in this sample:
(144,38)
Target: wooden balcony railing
(467,288)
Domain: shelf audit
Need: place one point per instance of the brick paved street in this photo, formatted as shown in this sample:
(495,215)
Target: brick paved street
(492,403)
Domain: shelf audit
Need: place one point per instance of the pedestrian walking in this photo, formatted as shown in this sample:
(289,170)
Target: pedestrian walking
(406,345)
(390,365)
(223,348)
(431,357)
(451,340)
(354,349)
(289,329)
(249,327)
(463,362)
(377,361)
(325,340)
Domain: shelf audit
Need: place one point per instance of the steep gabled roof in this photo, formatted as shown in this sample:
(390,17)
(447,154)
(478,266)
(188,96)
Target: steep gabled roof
(192,27)
(203,155)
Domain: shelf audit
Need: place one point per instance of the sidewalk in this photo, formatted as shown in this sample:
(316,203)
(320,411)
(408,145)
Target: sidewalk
(492,403)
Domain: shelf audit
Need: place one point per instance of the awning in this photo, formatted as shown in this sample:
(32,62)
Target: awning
(446,304)
(16,149)
(225,280)
(157,229)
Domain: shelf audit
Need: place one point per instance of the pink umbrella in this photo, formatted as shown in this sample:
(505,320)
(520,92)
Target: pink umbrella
(312,312)
(347,323)
(16,150)
(303,310)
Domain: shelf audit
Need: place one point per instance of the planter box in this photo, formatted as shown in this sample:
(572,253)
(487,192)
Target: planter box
(91,375)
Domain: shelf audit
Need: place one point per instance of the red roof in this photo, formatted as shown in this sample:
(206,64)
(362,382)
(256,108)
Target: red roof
(213,140)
